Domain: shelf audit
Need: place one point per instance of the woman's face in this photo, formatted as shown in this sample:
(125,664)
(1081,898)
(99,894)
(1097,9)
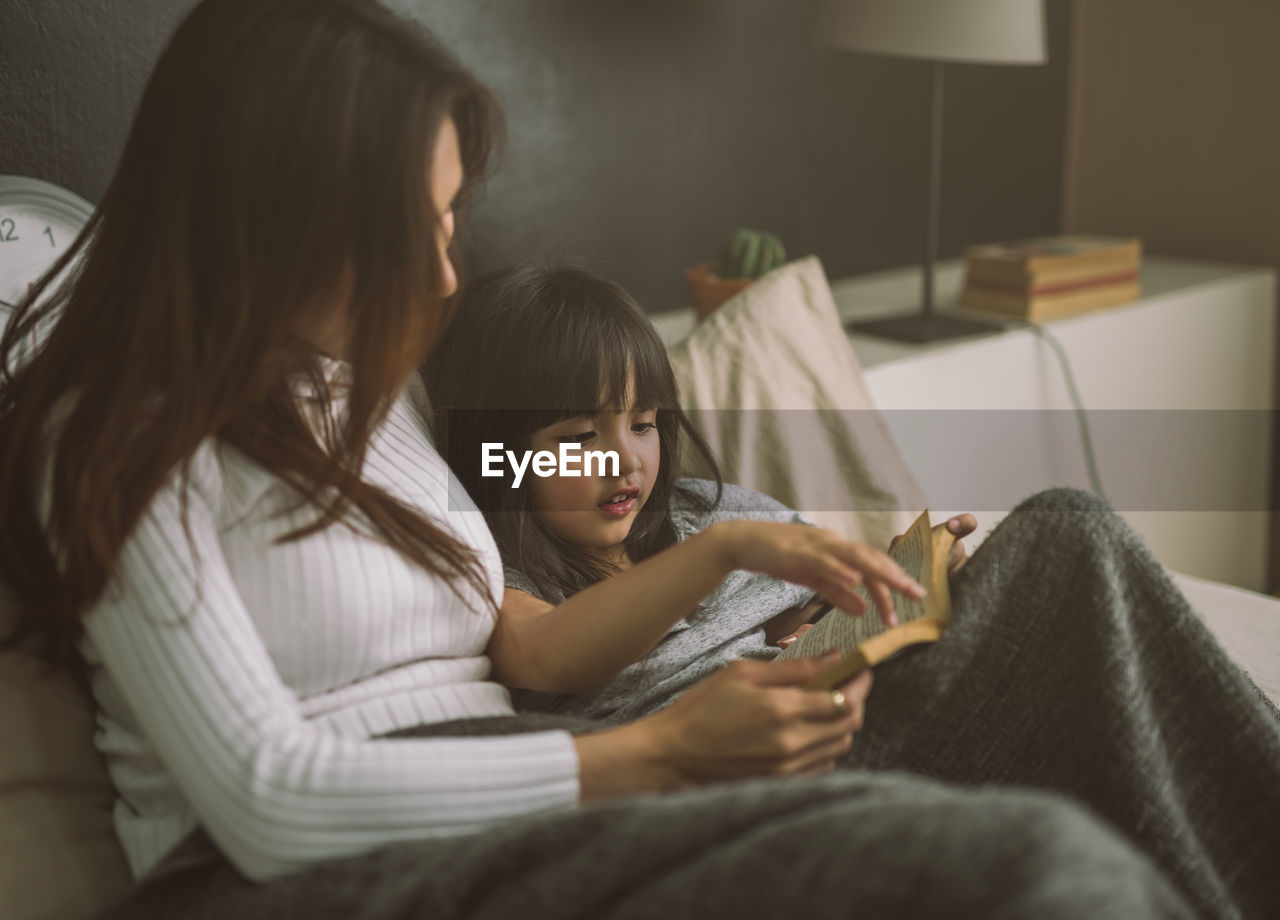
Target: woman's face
(595,513)
(446,180)
(328,332)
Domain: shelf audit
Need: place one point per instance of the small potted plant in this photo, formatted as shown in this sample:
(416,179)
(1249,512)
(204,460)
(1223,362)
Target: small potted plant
(747,255)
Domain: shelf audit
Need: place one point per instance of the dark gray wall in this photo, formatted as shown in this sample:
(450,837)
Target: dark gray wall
(640,133)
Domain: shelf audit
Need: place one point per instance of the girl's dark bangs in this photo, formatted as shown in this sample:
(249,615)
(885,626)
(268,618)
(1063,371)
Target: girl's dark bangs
(634,352)
(577,345)
(568,384)
(575,386)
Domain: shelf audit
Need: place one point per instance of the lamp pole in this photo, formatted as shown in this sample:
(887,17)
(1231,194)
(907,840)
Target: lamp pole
(928,325)
(934,187)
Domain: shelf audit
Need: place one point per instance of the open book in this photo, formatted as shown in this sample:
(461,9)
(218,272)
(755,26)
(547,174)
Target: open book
(865,640)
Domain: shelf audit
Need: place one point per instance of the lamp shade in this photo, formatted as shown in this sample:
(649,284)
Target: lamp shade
(973,31)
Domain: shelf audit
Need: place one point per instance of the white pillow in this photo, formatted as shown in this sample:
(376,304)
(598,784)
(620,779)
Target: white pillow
(772,383)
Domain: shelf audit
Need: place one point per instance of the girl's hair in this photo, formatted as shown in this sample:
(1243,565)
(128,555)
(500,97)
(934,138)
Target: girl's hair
(278,168)
(527,348)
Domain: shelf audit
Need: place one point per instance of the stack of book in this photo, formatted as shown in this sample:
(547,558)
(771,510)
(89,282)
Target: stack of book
(1050,277)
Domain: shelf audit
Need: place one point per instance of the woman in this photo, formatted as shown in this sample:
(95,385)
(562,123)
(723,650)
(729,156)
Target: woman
(214,495)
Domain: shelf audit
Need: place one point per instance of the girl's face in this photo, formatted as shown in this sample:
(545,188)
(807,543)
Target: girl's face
(595,513)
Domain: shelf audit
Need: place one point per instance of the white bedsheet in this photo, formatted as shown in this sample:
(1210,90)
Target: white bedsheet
(1245,622)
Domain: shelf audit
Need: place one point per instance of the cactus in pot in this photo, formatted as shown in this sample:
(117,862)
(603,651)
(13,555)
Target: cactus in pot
(751,254)
(747,255)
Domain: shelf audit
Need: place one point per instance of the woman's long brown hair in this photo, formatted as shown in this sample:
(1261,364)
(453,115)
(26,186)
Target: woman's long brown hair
(277,168)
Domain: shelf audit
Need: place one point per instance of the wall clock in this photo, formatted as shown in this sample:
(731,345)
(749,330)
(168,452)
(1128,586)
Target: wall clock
(38,222)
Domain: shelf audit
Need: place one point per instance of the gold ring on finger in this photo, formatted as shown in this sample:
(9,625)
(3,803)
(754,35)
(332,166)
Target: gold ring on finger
(841,703)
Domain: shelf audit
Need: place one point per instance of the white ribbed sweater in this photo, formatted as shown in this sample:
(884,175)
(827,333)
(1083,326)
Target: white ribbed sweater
(240,691)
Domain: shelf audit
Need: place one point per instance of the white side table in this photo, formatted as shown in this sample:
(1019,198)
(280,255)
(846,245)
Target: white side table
(1177,387)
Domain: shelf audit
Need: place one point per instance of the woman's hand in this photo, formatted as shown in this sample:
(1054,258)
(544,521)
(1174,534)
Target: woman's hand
(819,559)
(749,719)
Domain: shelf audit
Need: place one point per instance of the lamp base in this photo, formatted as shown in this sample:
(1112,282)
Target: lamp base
(926,327)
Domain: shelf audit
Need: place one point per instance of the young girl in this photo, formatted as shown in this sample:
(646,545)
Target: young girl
(571,359)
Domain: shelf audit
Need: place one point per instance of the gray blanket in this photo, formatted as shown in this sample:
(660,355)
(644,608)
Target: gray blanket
(1076,746)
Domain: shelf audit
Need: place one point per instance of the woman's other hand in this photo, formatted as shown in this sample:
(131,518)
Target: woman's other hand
(749,719)
(960,527)
(819,559)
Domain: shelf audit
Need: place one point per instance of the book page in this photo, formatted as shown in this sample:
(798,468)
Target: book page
(839,630)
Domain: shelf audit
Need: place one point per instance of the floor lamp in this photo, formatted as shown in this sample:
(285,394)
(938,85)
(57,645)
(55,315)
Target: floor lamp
(938,31)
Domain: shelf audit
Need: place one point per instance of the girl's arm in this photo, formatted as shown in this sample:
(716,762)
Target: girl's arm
(585,641)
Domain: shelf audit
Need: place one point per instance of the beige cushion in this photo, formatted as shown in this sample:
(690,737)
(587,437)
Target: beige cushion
(59,857)
(772,383)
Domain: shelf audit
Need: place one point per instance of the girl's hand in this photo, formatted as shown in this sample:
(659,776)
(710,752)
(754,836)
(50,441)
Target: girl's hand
(749,719)
(819,559)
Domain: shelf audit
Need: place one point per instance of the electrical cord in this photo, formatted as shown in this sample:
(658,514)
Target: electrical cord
(1086,441)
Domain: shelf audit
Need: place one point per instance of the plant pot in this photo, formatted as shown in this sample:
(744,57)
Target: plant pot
(708,290)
